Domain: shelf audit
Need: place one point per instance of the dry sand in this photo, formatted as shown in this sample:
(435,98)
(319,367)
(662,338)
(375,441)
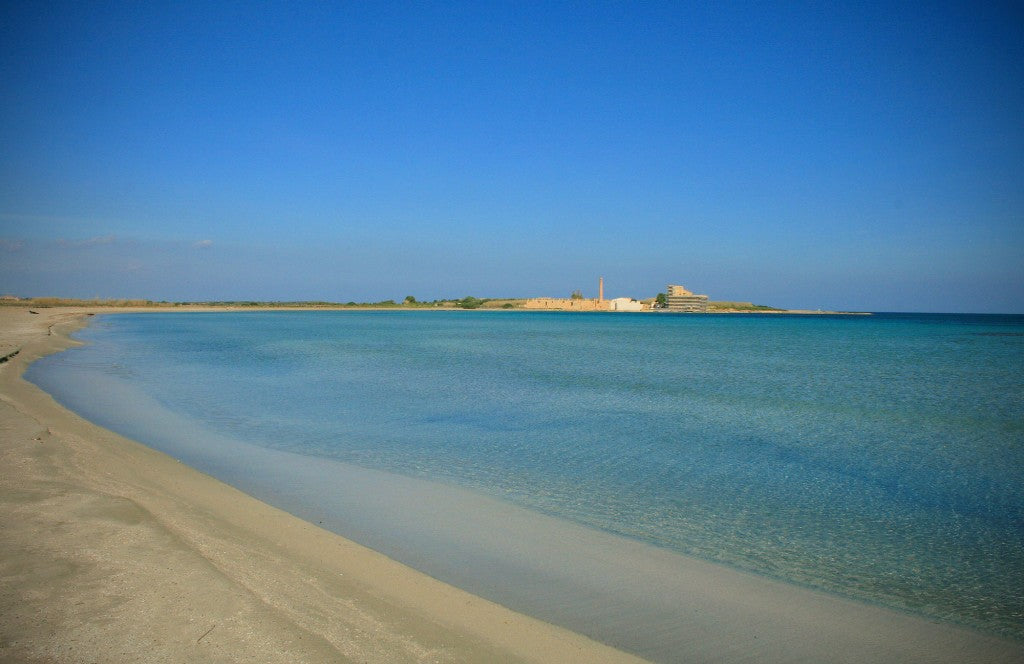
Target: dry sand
(114,552)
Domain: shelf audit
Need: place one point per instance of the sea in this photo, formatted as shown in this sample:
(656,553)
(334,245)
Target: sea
(875,457)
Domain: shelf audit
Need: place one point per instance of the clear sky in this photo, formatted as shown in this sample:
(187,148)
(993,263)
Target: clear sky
(810,155)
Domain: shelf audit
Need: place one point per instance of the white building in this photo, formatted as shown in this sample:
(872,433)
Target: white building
(625,304)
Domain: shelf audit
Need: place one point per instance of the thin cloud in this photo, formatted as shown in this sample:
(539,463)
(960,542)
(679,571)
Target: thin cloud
(89,242)
(11,245)
(202,244)
(46,218)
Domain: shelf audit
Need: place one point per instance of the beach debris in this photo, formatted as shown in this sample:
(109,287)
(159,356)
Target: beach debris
(33,312)
(206,633)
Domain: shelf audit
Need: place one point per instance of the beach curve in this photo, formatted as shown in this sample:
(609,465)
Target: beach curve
(115,552)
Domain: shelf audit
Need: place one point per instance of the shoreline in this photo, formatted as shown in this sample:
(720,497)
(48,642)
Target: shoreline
(281,563)
(113,552)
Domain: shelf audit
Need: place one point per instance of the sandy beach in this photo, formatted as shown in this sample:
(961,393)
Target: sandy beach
(114,552)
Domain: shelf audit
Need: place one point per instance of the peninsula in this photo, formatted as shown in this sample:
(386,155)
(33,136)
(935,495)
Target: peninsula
(576,302)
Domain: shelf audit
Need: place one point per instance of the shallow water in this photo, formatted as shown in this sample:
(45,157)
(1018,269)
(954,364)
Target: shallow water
(880,458)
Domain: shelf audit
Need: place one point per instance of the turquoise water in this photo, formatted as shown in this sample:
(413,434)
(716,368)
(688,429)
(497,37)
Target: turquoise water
(876,457)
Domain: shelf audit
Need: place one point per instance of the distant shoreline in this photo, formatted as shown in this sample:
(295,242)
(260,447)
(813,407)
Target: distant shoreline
(496,304)
(801,312)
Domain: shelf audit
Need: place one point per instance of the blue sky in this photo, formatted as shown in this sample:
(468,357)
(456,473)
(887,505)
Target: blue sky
(804,155)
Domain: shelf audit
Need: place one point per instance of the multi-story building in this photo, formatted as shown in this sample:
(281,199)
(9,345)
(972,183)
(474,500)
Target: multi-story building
(677,298)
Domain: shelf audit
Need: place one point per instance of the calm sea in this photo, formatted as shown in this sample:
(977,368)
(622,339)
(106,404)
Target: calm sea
(876,457)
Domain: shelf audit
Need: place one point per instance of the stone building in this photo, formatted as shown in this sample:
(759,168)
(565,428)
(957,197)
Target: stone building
(567,304)
(572,303)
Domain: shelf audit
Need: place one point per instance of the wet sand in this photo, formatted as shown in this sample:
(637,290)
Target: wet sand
(115,552)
